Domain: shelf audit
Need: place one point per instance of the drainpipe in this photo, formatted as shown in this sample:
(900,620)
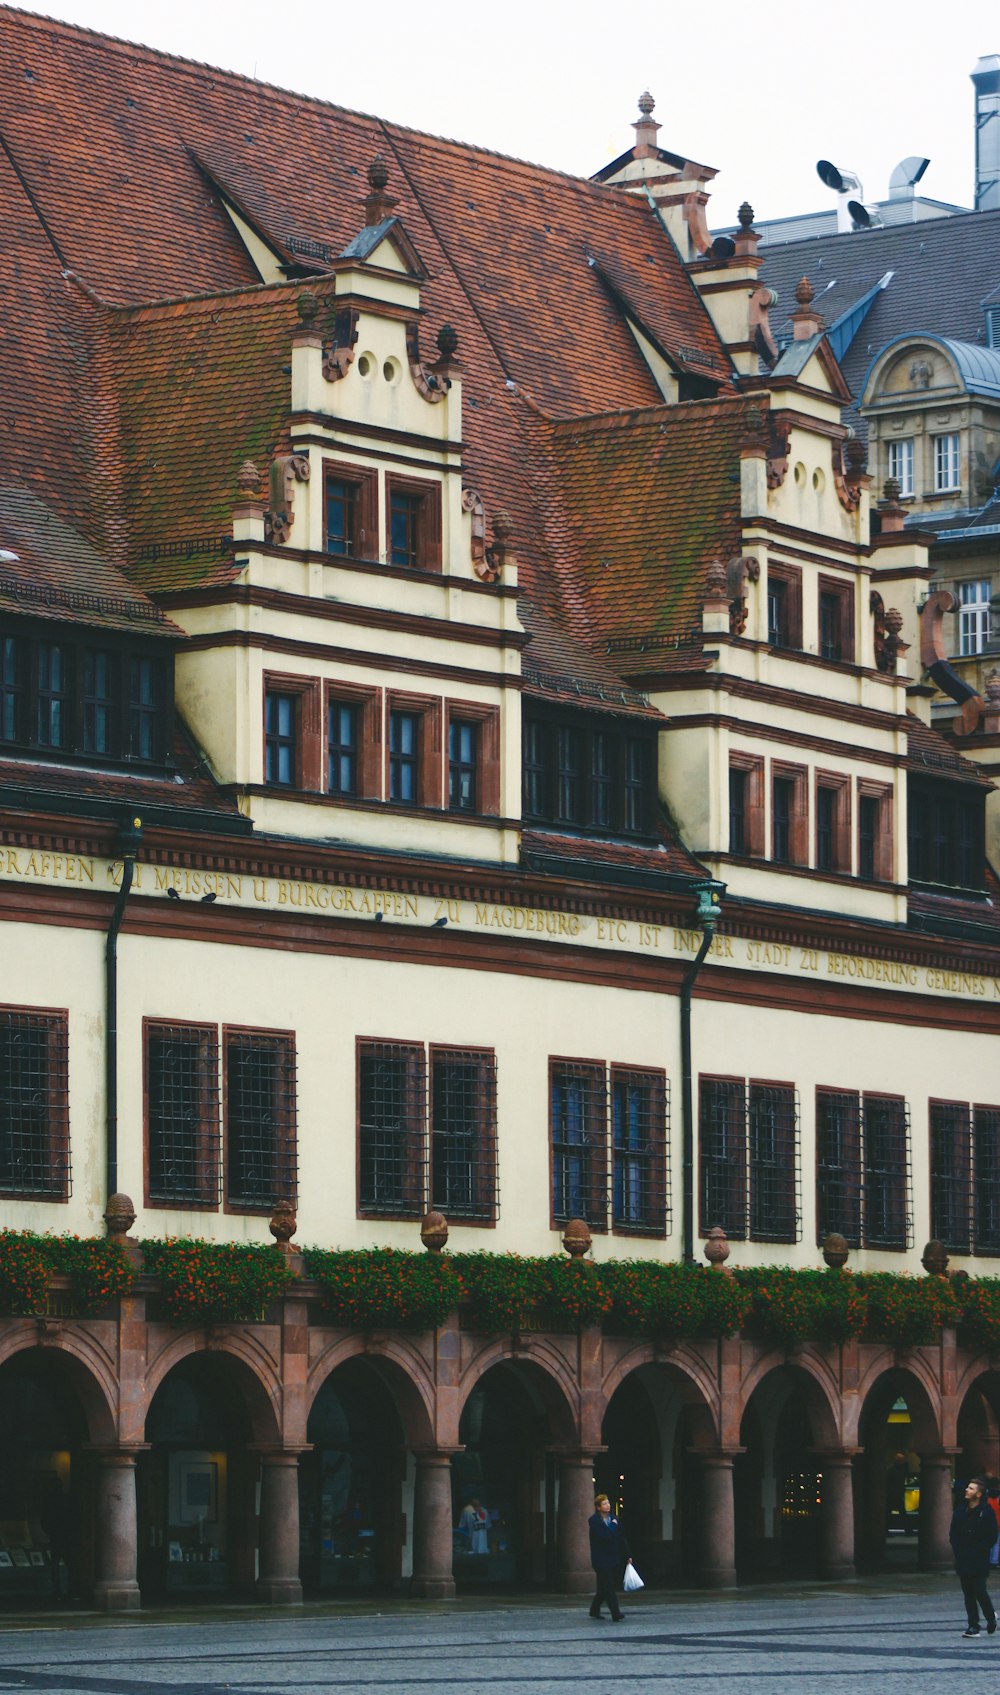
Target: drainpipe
(129,839)
(707,914)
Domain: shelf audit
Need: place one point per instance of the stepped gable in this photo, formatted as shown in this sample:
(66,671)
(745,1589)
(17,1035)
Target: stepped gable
(646,501)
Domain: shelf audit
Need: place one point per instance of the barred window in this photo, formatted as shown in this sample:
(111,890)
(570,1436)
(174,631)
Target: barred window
(639,1151)
(464,1133)
(986,1152)
(838,1165)
(260,1119)
(888,1219)
(951,1174)
(34,1105)
(773,1143)
(722,1139)
(578,1130)
(182,1114)
(392,1150)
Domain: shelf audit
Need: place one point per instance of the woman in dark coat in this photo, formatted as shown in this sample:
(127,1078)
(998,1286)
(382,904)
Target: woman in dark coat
(973,1533)
(609,1551)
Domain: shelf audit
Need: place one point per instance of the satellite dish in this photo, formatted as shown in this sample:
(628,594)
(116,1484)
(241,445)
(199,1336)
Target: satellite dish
(829,175)
(861,218)
(722,248)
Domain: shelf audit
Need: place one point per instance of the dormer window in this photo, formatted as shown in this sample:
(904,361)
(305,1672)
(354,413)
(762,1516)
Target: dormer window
(588,774)
(350,511)
(70,696)
(946,827)
(946,477)
(414,523)
(784,606)
(900,465)
(341,516)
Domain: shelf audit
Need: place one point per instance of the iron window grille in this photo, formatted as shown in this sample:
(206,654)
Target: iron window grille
(888,1176)
(260,1119)
(639,1140)
(986,1156)
(951,1174)
(182,1092)
(722,1150)
(34,1105)
(773,1141)
(579,1142)
(392,1139)
(838,1165)
(464,1133)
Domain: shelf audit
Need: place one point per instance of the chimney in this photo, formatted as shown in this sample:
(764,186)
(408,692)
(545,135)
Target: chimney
(986,81)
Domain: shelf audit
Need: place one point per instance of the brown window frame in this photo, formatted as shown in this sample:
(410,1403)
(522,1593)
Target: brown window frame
(791,577)
(753,813)
(368,703)
(774,1198)
(487,721)
(307,693)
(838,783)
(985,1203)
(413,1179)
(285,1187)
(52,1156)
(735,1201)
(653,1169)
(428,520)
(429,709)
(843,592)
(207,1150)
(594,1154)
(882,793)
(481,1208)
(951,1192)
(798,823)
(365,542)
(847,1173)
(902,1201)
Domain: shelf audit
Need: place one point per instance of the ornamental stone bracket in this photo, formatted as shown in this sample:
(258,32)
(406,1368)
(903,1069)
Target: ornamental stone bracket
(287,470)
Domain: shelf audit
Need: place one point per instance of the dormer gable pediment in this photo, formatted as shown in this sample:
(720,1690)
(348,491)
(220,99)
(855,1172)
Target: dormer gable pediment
(387,246)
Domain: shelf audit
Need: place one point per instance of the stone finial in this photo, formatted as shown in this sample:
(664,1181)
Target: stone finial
(745,215)
(934,1258)
(891,490)
(804,292)
(992,689)
(856,456)
(647,104)
(434,1231)
(283,1225)
(503,527)
(378,202)
(716,1249)
(307,306)
(894,621)
(248,480)
(806,321)
(447,341)
(646,128)
(119,1217)
(576,1238)
(716,584)
(378,174)
(835,1250)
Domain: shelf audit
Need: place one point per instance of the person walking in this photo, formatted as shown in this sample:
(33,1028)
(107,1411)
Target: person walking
(609,1551)
(973,1533)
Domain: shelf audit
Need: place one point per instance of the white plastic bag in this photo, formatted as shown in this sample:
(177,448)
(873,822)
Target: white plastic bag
(632,1579)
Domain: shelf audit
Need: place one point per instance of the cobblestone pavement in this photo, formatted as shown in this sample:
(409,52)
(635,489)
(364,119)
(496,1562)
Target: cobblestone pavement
(885,1638)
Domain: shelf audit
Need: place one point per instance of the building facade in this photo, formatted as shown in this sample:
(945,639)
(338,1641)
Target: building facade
(462,744)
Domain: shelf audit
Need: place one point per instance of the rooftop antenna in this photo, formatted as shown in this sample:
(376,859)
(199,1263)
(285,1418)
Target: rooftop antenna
(845,184)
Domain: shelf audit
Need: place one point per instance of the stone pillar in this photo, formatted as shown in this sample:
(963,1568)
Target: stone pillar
(837,1523)
(279,1584)
(718,1517)
(933,1547)
(432,1526)
(576,1504)
(116,1589)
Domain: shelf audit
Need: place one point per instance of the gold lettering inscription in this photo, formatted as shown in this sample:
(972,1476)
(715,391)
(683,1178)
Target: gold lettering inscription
(872,970)
(47,867)
(525,919)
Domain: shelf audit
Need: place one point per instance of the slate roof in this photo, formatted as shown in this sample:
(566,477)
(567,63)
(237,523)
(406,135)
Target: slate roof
(942,270)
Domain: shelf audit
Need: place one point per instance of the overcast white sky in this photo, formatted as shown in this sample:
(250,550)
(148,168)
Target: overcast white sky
(759,91)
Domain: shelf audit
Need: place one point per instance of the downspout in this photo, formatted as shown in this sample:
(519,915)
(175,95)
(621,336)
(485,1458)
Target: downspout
(129,839)
(708,914)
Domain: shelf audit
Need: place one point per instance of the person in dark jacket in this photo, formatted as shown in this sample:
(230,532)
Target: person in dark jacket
(609,1551)
(973,1533)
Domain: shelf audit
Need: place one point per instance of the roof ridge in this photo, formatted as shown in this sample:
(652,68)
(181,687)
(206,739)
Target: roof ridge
(27,20)
(229,298)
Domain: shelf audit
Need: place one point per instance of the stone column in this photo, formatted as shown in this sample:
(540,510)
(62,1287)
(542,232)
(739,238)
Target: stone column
(933,1547)
(576,1504)
(432,1526)
(279,1584)
(837,1522)
(116,1589)
(718,1547)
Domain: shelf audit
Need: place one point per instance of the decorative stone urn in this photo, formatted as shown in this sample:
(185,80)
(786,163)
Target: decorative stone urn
(835,1250)
(934,1259)
(716,1249)
(434,1231)
(576,1238)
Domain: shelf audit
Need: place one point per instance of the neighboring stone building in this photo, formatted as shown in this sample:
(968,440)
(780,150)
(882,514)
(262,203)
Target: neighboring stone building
(458,734)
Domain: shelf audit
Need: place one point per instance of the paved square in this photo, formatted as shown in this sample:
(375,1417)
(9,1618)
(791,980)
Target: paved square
(889,1638)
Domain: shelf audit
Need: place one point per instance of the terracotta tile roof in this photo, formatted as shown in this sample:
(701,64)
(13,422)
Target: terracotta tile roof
(188,785)
(930,753)
(668,856)
(640,504)
(47,569)
(555,666)
(105,136)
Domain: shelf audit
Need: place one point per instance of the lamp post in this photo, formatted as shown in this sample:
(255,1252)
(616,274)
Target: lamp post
(707,914)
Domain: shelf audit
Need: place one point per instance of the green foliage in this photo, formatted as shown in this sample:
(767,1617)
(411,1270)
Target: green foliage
(25,1269)
(99,1270)
(215,1282)
(980,1323)
(501,1292)
(384,1288)
(673,1300)
(789,1306)
(908,1310)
